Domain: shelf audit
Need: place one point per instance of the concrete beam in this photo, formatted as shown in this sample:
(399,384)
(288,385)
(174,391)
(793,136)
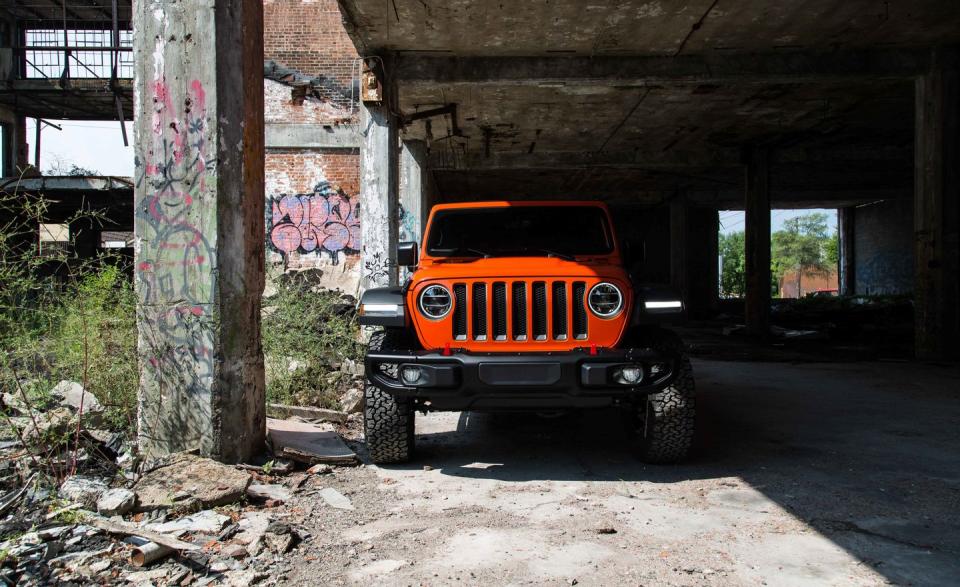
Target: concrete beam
(757,241)
(845,227)
(312,136)
(199,224)
(937,209)
(782,66)
(379,184)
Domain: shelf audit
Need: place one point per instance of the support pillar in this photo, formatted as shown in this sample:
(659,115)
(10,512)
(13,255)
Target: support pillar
(678,245)
(757,241)
(845,228)
(199,224)
(379,154)
(412,212)
(936,209)
(703,275)
(85,237)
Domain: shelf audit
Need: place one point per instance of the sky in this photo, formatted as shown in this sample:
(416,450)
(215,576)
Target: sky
(95,145)
(732,220)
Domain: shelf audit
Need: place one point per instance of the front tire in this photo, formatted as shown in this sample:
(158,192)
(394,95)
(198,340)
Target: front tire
(388,423)
(663,425)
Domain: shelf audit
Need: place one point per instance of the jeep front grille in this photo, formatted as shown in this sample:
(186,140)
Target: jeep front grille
(504,310)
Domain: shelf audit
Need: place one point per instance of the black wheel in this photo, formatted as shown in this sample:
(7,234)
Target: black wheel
(388,423)
(663,425)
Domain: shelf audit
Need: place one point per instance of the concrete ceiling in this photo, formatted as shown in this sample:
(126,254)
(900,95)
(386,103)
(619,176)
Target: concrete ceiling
(634,101)
(656,27)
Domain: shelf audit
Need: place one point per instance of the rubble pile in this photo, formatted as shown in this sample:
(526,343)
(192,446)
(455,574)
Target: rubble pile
(84,509)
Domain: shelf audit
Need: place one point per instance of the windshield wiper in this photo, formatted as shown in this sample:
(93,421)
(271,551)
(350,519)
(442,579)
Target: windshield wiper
(552,253)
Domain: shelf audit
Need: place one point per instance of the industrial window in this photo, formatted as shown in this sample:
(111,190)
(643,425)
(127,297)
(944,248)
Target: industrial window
(87,54)
(54,239)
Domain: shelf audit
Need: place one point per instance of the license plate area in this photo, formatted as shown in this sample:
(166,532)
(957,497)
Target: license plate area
(514,374)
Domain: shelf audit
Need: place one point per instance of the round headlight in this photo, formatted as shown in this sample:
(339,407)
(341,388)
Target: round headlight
(435,302)
(605,300)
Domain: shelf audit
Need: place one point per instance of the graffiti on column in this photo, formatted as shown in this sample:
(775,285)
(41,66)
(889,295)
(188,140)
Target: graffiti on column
(174,257)
(323,221)
(408,225)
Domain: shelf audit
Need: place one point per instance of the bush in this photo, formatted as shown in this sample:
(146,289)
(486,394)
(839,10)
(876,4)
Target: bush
(308,333)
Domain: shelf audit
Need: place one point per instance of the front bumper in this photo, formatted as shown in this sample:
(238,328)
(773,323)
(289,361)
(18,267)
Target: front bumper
(548,380)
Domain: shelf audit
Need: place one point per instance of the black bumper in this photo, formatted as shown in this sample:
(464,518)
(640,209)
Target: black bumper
(476,381)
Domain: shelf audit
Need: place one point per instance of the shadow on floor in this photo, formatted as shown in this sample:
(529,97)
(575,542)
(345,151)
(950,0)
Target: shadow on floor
(866,454)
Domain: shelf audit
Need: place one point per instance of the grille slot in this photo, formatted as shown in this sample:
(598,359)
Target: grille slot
(460,312)
(559,310)
(519,310)
(479,311)
(539,310)
(579,310)
(499,311)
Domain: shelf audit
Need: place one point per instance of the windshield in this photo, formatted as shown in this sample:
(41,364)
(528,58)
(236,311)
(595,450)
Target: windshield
(561,231)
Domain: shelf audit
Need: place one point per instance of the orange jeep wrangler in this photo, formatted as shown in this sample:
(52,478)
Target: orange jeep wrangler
(523,306)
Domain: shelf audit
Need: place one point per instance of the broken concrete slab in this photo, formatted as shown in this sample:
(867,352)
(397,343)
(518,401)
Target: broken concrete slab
(335,499)
(205,522)
(116,502)
(115,527)
(306,443)
(54,425)
(277,493)
(252,527)
(83,490)
(352,401)
(187,481)
(71,394)
(307,413)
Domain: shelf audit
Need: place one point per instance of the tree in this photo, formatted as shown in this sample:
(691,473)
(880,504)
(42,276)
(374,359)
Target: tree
(800,246)
(733,269)
(832,250)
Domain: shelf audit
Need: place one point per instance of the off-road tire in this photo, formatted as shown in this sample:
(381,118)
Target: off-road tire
(388,423)
(663,426)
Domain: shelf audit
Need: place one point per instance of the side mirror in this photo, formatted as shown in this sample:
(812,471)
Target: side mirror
(407,254)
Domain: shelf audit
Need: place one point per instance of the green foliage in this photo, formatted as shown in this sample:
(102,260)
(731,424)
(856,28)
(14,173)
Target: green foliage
(307,334)
(733,268)
(63,317)
(800,247)
(832,250)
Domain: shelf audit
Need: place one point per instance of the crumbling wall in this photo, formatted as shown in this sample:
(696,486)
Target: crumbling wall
(312,208)
(883,248)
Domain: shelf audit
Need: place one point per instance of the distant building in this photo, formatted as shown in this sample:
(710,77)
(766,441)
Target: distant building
(812,282)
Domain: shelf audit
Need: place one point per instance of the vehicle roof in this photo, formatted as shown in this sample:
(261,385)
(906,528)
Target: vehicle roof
(511,203)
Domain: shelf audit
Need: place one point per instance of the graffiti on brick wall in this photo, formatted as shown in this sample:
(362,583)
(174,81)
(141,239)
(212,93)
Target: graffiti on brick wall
(175,281)
(324,221)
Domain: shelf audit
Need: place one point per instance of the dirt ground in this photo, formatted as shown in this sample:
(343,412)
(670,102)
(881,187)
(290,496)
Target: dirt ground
(815,474)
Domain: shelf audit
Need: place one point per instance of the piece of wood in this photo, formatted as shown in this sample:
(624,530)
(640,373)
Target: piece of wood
(306,443)
(129,530)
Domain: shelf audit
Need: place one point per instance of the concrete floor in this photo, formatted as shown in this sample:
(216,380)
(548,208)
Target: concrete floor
(806,474)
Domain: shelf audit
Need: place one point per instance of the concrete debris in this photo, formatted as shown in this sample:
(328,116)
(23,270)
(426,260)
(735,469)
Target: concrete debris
(308,444)
(83,490)
(335,499)
(352,401)
(205,522)
(188,482)
(351,367)
(307,413)
(253,525)
(277,493)
(53,425)
(115,527)
(234,551)
(72,395)
(278,537)
(116,502)
(150,576)
(320,469)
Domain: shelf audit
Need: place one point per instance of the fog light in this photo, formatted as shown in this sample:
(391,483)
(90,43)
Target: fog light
(630,375)
(410,375)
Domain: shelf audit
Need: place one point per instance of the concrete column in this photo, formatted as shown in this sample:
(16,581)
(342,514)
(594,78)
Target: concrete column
(757,241)
(678,244)
(199,224)
(703,276)
(412,212)
(85,237)
(379,183)
(936,209)
(845,228)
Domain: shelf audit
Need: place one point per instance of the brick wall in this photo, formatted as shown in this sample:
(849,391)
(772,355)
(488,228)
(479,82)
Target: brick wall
(308,36)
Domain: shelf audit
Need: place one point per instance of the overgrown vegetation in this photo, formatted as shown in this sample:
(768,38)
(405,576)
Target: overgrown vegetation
(309,334)
(63,318)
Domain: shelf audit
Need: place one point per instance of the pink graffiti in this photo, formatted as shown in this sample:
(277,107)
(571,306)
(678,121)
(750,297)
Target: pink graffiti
(325,220)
